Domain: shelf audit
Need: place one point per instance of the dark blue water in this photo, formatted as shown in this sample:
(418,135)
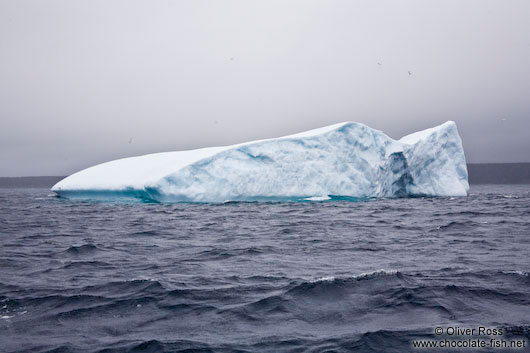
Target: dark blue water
(260,277)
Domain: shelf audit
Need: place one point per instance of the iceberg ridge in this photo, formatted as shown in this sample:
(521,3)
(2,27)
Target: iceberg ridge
(346,160)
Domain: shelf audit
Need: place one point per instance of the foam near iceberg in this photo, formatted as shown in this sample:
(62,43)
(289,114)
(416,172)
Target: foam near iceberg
(342,160)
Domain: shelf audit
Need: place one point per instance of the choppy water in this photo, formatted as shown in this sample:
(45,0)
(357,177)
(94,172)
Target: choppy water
(273,277)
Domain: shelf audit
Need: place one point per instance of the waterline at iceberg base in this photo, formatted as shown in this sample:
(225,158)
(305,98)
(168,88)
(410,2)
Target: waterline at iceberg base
(346,160)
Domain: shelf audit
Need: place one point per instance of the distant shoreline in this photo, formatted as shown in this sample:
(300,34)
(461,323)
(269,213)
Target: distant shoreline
(479,173)
(29,181)
(498,173)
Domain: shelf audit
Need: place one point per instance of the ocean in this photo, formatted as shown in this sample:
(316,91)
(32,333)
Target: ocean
(335,276)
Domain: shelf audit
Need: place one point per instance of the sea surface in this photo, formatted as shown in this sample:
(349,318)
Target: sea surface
(335,276)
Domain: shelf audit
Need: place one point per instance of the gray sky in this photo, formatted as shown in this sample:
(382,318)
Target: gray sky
(83,82)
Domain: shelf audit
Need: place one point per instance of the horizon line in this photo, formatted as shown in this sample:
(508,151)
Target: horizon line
(62,176)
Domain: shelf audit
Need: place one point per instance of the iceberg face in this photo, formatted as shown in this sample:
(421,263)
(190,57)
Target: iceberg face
(342,160)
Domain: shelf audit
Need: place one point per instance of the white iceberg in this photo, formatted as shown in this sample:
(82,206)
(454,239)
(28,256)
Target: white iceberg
(342,160)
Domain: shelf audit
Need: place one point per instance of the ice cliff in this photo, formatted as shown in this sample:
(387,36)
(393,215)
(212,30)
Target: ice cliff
(342,160)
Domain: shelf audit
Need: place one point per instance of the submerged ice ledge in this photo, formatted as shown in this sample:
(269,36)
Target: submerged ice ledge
(348,160)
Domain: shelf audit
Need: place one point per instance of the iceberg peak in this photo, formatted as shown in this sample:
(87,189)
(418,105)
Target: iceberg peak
(348,159)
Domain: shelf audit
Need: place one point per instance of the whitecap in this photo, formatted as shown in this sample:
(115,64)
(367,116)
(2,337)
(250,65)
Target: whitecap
(381,272)
(323,279)
(318,198)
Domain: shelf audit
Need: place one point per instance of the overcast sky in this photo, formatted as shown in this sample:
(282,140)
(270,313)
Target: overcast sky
(83,82)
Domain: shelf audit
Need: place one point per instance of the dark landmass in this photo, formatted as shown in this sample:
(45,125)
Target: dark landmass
(499,173)
(479,173)
(29,182)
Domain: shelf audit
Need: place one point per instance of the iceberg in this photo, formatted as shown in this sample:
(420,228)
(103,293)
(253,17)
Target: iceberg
(346,160)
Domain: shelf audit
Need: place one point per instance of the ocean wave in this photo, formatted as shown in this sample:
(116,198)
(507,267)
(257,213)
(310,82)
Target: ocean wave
(95,264)
(379,273)
(260,277)
(126,288)
(520,273)
(80,250)
(221,253)
(323,279)
(457,226)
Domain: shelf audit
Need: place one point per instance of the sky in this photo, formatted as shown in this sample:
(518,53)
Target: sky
(84,82)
